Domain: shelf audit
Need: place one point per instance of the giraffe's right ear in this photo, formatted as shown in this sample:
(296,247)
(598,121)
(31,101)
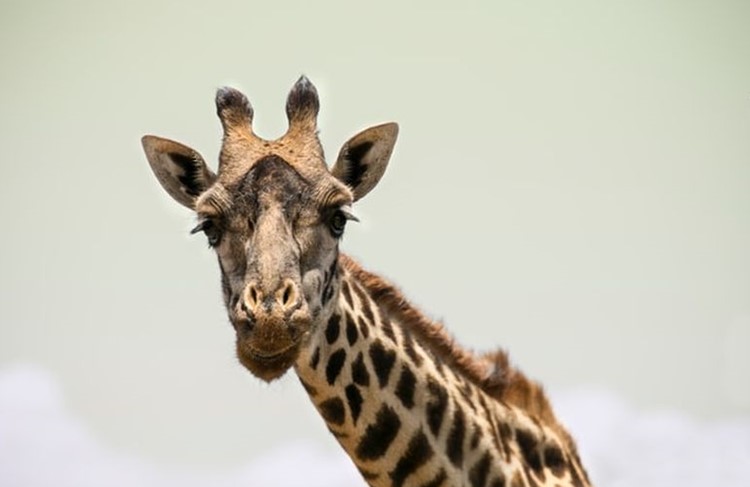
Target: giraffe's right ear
(180,170)
(364,157)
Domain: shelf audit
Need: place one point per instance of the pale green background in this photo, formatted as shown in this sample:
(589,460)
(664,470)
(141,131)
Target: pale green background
(572,182)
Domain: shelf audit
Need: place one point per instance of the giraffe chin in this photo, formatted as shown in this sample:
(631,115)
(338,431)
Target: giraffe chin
(264,365)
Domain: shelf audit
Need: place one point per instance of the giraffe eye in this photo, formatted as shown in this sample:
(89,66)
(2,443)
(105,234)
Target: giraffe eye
(337,223)
(211,230)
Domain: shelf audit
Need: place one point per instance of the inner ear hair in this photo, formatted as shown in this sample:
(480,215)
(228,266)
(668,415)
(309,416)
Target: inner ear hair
(356,166)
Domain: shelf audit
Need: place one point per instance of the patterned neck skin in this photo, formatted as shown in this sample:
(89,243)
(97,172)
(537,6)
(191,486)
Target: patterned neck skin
(407,416)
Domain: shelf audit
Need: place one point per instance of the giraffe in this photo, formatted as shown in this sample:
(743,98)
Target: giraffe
(408,404)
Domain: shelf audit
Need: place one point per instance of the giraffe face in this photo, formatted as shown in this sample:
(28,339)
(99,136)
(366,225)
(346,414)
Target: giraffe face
(274,214)
(277,246)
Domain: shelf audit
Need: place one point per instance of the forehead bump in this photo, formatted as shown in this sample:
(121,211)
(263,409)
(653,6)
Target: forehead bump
(302,106)
(234,110)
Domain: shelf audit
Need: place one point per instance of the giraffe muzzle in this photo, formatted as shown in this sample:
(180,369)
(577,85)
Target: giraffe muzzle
(270,327)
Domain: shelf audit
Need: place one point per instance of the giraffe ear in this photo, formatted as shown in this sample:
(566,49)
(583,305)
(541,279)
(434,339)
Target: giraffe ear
(364,157)
(181,171)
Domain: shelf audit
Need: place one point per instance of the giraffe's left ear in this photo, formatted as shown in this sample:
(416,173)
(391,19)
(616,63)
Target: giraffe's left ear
(181,171)
(363,159)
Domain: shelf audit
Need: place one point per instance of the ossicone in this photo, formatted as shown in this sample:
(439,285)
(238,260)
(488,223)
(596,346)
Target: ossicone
(234,110)
(302,105)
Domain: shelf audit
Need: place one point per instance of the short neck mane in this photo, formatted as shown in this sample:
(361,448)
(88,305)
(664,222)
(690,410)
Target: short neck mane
(490,372)
(411,407)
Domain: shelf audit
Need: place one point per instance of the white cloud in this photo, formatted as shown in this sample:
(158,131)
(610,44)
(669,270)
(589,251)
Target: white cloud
(623,447)
(41,444)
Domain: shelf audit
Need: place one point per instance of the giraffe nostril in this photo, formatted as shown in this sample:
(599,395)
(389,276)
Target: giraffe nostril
(253,296)
(288,294)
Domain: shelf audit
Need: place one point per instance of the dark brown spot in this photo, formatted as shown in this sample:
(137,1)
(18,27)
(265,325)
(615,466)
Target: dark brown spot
(332,410)
(455,442)
(335,363)
(382,362)
(359,371)
(333,328)
(554,460)
(417,453)
(529,449)
(354,398)
(405,387)
(315,359)
(436,406)
(351,332)
(379,435)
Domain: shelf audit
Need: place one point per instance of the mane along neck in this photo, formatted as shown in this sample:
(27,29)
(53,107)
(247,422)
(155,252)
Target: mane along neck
(491,372)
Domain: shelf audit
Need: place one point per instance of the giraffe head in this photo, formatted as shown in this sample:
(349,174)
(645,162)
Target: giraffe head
(274,214)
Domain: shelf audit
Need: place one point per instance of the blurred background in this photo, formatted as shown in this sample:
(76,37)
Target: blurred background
(571,182)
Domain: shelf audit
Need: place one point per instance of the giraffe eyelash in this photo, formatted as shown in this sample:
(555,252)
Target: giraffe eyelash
(212,231)
(348,212)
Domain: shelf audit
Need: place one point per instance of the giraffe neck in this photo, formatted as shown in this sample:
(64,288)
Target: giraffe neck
(408,413)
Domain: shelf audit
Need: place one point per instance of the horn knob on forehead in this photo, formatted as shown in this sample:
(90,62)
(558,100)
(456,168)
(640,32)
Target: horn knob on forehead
(234,110)
(302,105)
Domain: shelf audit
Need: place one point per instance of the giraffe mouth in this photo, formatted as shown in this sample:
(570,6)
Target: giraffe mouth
(268,346)
(267,364)
(266,356)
